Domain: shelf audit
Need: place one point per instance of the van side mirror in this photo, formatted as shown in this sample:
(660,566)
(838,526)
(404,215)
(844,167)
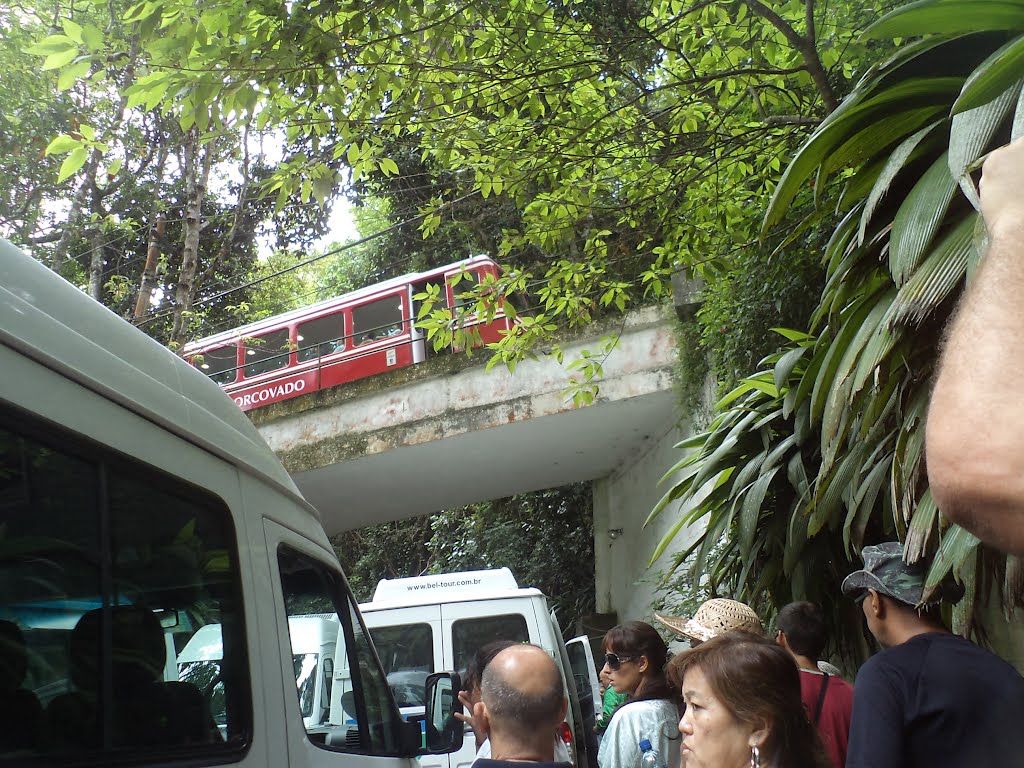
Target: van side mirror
(444,733)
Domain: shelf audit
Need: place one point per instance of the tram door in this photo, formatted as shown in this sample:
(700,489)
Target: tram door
(417,338)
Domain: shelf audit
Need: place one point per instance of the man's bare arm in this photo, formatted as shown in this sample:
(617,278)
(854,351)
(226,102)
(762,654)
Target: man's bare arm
(975,431)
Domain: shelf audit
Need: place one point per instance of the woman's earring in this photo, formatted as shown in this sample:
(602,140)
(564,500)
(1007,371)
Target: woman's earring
(755,757)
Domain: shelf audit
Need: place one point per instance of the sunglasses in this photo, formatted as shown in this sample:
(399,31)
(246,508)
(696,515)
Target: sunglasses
(614,661)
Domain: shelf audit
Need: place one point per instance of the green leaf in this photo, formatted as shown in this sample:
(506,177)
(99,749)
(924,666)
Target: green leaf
(72,74)
(993,77)
(72,163)
(388,167)
(62,144)
(73,30)
(923,525)
(948,17)
(957,545)
(970,134)
(895,163)
(936,278)
(892,104)
(58,60)
(53,44)
(92,37)
(837,405)
(114,167)
(784,368)
(919,218)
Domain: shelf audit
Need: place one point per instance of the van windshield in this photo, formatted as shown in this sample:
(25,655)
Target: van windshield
(407,654)
(205,675)
(305,665)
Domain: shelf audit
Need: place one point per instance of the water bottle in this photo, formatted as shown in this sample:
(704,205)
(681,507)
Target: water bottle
(649,755)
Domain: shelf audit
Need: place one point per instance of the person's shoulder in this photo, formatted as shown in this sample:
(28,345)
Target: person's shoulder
(960,653)
(486,762)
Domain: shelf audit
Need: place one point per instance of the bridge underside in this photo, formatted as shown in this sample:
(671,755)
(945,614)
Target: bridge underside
(446,432)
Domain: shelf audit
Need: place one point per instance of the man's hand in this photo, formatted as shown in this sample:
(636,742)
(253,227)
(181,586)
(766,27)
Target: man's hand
(468,717)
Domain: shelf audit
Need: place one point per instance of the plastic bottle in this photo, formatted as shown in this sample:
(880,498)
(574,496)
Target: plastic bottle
(649,757)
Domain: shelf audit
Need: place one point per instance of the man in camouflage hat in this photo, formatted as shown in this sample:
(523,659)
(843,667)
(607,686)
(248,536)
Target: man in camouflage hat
(929,697)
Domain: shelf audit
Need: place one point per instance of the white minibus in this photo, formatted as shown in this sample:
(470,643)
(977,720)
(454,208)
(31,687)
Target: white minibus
(138,505)
(439,621)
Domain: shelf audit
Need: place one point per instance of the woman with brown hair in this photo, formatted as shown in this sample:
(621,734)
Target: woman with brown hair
(634,662)
(743,706)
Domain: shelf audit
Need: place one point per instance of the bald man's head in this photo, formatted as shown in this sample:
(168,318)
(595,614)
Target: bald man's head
(522,690)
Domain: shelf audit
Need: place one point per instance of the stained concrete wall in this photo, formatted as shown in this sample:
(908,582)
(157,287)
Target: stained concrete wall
(622,545)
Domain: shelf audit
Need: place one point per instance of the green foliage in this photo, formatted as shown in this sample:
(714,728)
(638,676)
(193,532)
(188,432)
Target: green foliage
(821,450)
(767,289)
(545,538)
(592,151)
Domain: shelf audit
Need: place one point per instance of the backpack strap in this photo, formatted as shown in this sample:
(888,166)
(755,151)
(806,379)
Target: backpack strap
(821,699)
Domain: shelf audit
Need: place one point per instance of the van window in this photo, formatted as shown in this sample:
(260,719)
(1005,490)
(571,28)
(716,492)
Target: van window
(108,569)
(379,319)
(406,652)
(468,635)
(369,720)
(323,336)
(267,352)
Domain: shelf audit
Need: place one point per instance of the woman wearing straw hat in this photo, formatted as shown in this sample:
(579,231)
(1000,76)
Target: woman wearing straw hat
(634,661)
(713,618)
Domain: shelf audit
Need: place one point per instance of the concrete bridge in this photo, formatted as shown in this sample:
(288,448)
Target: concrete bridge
(447,432)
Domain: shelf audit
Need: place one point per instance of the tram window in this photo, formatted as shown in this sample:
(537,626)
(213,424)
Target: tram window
(468,282)
(219,364)
(114,569)
(323,336)
(379,319)
(266,353)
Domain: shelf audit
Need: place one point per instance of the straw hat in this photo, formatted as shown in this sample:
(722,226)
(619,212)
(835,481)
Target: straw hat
(714,617)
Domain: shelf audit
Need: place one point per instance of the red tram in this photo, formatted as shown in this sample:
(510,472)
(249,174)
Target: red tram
(339,340)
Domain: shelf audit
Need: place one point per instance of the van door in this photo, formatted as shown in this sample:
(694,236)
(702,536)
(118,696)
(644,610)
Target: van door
(588,688)
(584,669)
(581,706)
(373,734)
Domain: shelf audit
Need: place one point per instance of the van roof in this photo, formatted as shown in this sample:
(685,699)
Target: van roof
(45,318)
(492,584)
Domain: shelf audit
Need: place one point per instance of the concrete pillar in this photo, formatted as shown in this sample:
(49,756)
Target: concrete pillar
(603,562)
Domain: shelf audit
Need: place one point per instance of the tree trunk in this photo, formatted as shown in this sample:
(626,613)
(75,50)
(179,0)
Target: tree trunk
(197,173)
(60,253)
(147,283)
(96,263)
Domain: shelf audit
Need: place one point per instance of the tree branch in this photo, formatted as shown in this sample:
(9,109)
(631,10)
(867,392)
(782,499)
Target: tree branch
(805,45)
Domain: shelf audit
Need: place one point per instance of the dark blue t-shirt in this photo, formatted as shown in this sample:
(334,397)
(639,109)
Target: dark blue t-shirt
(937,700)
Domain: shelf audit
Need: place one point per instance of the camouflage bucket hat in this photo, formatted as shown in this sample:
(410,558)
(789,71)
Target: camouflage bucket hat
(885,572)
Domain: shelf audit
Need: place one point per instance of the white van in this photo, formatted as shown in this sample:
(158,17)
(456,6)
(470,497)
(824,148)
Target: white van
(314,641)
(427,623)
(139,506)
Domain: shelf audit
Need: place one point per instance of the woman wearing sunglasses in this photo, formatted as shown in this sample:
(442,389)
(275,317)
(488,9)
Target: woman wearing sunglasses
(634,661)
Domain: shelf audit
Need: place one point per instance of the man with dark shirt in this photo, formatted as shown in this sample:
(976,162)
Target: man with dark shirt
(929,698)
(827,699)
(522,705)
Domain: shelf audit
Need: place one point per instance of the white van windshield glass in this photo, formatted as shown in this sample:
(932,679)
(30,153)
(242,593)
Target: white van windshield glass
(109,569)
(407,653)
(469,635)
